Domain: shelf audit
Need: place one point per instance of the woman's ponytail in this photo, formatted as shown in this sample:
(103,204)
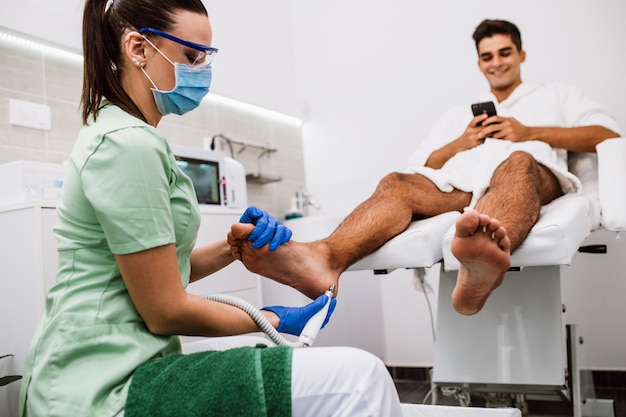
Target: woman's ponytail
(104,23)
(102,31)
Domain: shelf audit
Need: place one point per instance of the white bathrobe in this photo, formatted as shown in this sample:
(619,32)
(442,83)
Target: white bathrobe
(551,105)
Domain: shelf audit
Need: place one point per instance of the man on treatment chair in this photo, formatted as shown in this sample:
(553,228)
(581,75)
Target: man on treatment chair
(498,170)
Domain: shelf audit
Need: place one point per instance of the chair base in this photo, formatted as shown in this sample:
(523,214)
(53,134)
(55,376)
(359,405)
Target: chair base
(516,339)
(419,410)
(516,344)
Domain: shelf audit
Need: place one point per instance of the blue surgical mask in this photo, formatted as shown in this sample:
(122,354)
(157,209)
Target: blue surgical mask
(192,84)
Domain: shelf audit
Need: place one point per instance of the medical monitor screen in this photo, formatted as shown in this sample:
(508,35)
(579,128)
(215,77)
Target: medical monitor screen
(205,176)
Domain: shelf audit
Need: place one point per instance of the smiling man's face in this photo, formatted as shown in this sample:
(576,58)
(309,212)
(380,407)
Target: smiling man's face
(500,62)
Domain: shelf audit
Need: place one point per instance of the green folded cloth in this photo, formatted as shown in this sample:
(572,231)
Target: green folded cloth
(246,382)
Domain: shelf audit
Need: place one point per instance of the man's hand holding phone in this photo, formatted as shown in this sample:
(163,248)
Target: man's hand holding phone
(488,108)
(505,128)
(472,136)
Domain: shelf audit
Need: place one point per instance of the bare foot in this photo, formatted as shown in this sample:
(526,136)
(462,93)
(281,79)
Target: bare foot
(483,248)
(303,266)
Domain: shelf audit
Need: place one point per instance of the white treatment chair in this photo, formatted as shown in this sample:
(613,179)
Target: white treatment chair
(516,344)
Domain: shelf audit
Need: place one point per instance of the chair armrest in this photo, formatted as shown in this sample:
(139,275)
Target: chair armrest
(585,166)
(612,183)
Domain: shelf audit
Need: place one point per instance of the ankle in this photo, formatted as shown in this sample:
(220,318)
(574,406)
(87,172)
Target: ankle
(336,260)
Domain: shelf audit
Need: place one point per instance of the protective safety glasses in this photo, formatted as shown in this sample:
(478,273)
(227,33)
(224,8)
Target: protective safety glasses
(191,53)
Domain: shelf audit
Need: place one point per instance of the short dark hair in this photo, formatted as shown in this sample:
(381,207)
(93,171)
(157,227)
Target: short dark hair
(104,22)
(489,27)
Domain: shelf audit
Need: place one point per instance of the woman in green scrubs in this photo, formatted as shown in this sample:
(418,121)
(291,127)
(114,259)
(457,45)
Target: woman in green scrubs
(126,234)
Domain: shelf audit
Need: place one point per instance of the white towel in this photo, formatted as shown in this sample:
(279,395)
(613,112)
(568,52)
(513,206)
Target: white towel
(471,170)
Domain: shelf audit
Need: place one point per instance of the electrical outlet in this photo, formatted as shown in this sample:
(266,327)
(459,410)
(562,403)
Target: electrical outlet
(28,114)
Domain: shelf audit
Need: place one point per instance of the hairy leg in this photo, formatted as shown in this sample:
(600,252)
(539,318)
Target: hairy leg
(312,267)
(484,242)
(398,199)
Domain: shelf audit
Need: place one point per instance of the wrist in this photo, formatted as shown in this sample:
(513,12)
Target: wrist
(438,158)
(534,133)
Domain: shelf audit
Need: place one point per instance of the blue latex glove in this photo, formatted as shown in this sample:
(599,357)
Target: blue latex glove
(267,229)
(293,319)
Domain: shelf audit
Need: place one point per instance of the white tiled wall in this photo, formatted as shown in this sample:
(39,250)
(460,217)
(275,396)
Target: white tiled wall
(43,78)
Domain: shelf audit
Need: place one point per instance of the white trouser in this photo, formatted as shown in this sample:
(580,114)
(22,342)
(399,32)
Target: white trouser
(334,381)
(341,382)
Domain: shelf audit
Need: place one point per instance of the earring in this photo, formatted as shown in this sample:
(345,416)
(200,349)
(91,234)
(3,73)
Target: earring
(137,62)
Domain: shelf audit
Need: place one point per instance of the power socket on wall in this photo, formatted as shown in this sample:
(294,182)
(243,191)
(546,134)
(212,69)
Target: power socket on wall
(28,114)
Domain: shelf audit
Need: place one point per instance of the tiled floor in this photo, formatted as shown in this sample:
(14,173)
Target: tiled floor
(413,387)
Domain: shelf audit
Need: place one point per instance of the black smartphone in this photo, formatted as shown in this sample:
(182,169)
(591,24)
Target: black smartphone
(487,107)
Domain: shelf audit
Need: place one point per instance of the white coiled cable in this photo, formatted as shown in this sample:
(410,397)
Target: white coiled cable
(307,336)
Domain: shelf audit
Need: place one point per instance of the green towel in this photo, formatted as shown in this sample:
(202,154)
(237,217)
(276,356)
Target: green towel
(246,382)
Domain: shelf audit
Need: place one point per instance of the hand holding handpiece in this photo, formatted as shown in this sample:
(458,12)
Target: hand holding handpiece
(308,319)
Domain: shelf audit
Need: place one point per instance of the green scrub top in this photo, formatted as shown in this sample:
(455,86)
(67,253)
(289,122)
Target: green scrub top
(123,193)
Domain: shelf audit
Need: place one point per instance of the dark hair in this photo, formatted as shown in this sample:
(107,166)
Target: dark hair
(487,28)
(104,22)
